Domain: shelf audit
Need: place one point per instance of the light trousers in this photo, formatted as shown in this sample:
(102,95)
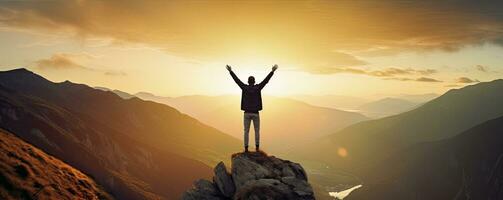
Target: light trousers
(247,119)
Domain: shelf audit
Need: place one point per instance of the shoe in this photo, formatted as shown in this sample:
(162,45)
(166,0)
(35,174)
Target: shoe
(256,148)
(246,148)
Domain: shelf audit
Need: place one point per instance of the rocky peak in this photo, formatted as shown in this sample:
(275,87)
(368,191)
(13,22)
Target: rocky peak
(254,175)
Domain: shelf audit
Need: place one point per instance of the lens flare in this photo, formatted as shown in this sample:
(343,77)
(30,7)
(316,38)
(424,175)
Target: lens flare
(342,152)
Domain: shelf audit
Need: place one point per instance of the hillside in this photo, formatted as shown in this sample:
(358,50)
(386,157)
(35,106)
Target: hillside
(26,172)
(444,117)
(468,166)
(134,148)
(285,123)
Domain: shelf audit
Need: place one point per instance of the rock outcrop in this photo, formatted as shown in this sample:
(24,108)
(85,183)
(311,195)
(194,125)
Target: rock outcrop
(254,175)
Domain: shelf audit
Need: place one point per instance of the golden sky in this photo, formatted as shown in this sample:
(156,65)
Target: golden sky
(356,48)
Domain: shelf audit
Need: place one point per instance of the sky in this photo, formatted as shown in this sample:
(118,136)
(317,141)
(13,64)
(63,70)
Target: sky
(174,48)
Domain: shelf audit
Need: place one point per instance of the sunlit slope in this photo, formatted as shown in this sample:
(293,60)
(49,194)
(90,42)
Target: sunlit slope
(26,172)
(157,124)
(468,165)
(443,117)
(137,149)
(285,123)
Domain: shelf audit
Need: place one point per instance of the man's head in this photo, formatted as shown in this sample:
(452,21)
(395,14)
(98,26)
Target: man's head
(251,80)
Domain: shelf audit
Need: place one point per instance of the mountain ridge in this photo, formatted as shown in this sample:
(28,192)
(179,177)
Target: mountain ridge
(443,117)
(114,138)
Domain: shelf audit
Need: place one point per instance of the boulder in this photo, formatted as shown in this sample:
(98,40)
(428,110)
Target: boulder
(264,189)
(299,186)
(223,180)
(245,169)
(202,190)
(254,175)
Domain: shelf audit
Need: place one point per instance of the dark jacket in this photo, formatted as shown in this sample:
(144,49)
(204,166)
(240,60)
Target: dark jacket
(251,99)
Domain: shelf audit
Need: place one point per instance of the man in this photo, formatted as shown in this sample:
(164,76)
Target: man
(251,104)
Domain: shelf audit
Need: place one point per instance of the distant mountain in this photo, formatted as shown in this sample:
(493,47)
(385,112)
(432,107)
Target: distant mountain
(285,123)
(444,117)
(332,101)
(136,149)
(386,107)
(121,94)
(418,98)
(468,166)
(26,172)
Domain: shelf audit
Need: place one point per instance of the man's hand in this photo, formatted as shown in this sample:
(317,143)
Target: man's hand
(228,68)
(274,68)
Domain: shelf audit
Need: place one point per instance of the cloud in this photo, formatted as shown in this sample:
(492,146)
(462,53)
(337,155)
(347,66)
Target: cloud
(59,62)
(466,80)
(115,73)
(427,71)
(485,69)
(482,68)
(299,32)
(387,72)
(399,79)
(65,61)
(420,79)
(452,86)
(426,79)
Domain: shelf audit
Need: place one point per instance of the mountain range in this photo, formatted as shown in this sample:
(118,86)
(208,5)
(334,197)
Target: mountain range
(370,142)
(447,148)
(285,123)
(136,149)
(332,101)
(357,104)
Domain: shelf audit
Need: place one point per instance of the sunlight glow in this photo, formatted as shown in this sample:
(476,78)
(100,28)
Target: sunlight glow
(342,152)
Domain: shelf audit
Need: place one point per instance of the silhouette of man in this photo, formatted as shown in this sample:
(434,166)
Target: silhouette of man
(251,104)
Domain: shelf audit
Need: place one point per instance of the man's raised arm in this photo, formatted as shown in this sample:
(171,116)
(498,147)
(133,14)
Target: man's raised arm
(269,76)
(236,79)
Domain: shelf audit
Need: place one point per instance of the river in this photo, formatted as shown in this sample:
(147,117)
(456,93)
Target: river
(344,193)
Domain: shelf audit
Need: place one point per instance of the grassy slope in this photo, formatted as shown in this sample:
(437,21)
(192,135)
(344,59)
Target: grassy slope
(27,172)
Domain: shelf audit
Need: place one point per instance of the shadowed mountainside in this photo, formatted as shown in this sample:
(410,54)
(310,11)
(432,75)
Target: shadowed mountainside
(26,172)
(134,148)
(468,166)
(372,141)
(285,123)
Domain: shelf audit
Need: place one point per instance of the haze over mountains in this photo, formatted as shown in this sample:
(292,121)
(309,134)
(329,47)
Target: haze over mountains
(372,141)
(371,107)
(285,123)
(333,101)
(134,148)
(386,107)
